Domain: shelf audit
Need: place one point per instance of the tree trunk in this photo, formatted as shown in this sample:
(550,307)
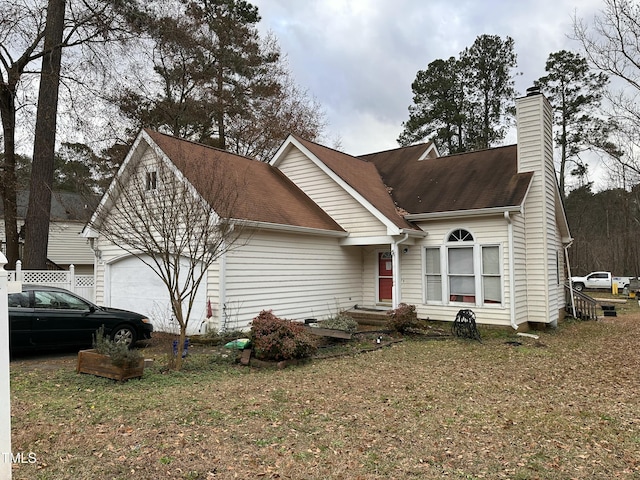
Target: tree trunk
(38,214)
(8,188)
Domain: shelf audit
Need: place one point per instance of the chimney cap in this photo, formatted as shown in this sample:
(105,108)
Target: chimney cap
(535,90)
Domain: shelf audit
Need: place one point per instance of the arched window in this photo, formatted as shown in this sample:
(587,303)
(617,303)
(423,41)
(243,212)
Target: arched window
(460,235)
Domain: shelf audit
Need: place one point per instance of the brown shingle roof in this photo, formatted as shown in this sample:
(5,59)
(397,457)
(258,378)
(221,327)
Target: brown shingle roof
(468,181)
(265,194)
(362,176)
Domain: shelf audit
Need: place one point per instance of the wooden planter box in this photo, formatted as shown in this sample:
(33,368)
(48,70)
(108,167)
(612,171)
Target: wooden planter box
(89,361)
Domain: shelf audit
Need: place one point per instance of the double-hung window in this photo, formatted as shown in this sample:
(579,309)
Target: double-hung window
(433,275)
(491,280)
(462,280)
(463,271)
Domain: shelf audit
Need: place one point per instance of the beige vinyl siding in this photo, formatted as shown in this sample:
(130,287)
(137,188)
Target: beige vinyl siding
(535,154)
(67,247)
(325,192)
(520,268)
(213,295)
(296,276)
(370,274)
(108,254)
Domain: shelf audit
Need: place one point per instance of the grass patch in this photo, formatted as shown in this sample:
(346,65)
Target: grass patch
(563,406)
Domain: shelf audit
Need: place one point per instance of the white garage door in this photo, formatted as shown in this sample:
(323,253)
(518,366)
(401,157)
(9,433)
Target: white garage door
(132,285)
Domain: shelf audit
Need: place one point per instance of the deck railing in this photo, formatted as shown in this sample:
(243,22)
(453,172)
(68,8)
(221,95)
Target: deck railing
(585,306)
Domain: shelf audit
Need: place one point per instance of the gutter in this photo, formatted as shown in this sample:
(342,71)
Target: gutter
(463,213)
(222,291)
(512,280)
(290,228)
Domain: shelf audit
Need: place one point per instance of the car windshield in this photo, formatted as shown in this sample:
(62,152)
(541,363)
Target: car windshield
(59,300)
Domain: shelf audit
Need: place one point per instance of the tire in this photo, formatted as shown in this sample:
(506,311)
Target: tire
(578,287)
(124,334)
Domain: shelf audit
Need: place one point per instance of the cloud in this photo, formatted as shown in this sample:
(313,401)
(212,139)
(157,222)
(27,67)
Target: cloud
(359,57)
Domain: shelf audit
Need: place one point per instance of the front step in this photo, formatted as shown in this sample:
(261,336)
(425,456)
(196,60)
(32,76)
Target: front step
(368,317)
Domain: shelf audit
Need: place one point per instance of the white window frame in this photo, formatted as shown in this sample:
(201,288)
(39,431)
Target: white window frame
(479,274)
(498,275)
(426,274)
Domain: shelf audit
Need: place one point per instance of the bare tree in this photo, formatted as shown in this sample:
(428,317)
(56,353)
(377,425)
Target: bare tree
(177,224)
(88,24)
(610,44)
(258,131)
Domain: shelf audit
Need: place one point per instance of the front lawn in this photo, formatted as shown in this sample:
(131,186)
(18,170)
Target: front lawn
(564,406)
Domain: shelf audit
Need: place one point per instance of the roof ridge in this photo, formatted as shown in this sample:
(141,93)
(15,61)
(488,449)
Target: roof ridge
(200,144)
(430,142)
(299,138)
(477,151)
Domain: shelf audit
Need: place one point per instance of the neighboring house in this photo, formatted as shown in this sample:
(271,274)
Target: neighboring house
(326,231)
(69,214)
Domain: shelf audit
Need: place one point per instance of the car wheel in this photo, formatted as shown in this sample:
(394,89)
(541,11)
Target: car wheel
(124,334)
(578,287)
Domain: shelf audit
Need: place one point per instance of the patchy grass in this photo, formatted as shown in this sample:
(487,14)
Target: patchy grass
(561,407)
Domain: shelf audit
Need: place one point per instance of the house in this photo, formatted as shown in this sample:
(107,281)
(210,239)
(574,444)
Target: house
(325,231)
(69,214)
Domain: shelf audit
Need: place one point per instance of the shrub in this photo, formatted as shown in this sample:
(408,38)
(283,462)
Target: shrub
(403,318)
(340,322)
(277,339)
(121,355)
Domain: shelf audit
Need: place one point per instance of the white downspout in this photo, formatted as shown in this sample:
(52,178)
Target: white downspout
(566,259)
(512,273)
(222,291)
(396,295)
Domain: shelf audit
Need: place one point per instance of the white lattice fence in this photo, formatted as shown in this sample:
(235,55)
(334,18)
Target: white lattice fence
(82,285)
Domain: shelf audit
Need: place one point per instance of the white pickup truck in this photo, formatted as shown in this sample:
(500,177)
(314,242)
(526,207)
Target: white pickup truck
(599,280)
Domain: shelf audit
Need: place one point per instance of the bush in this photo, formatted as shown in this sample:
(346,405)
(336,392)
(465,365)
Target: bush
(403,318)
(278,339)
(121,355)
(340,322)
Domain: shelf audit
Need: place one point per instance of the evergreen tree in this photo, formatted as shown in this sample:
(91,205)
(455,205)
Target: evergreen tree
(214,79)
(463,104)
(575,93)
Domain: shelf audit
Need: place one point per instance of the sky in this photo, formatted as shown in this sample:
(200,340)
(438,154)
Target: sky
(358,58)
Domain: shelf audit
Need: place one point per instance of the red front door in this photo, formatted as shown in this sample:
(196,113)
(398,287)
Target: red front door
(385,277)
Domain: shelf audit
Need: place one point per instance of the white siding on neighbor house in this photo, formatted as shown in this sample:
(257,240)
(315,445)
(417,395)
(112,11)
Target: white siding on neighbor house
(67,246)
(325,192)
(296,276)
(535,153)
(486,231)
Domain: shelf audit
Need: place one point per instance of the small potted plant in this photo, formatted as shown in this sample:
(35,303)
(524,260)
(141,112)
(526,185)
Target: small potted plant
(110,359)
